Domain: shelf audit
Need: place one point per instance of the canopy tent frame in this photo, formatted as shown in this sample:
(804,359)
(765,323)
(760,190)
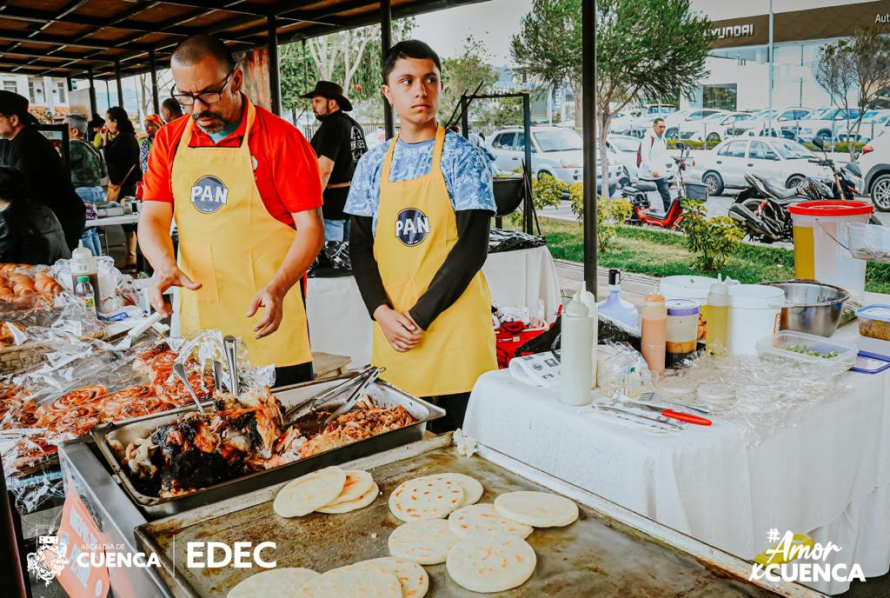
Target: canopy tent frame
(89,38)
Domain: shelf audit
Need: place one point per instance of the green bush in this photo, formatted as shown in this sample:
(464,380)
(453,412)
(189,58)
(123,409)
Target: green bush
(713,241)
(547,191)
(610,213)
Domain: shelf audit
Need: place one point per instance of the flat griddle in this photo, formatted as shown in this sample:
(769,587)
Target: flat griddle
(605,553)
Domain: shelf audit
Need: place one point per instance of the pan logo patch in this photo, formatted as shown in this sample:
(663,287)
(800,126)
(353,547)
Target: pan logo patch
(412,227)
(209,194)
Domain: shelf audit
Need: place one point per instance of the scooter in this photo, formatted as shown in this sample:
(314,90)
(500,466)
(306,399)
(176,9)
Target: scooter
(638,195)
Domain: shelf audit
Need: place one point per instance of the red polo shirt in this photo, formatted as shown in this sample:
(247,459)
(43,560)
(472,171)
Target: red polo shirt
(286,168)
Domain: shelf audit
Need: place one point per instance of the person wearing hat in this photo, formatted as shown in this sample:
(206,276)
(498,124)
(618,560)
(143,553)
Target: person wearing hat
(153,124)
(339,144)
(23,147)
(245,192)
(421,209)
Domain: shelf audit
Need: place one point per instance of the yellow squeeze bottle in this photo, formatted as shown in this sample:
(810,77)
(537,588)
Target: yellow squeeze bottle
(717,335)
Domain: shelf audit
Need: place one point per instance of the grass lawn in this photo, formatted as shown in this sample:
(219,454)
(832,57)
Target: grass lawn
(645,250)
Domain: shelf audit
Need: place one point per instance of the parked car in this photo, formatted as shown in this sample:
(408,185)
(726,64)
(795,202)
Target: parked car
(624,149)
(875,165)
(556,151)
(783,160)
(825,122)
(674,122)
(716,127)
(785,122)
(874,123)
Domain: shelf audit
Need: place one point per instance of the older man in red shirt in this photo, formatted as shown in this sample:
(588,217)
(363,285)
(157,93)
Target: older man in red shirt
(244,188)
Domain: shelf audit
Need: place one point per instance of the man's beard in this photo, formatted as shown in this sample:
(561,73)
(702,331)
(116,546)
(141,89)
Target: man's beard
(218,126)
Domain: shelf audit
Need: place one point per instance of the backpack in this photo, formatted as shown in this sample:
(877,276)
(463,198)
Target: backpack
(639,150)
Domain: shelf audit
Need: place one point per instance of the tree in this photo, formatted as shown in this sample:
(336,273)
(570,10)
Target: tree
(466,72)
(861,64)
(349,58)
(548,45)
(645,48)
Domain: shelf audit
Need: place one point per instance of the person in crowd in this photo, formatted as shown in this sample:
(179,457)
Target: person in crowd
(339,144)
(653,160)
(87,171)
(97,125)
(122,158)
(153,124)
(23,147)
(246,192)
(421,210)
(170,110)
(30,233)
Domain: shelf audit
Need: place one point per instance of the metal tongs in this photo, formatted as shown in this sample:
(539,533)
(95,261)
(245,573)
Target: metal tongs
(179,370)
(314,403)
(230,345)
(355,397)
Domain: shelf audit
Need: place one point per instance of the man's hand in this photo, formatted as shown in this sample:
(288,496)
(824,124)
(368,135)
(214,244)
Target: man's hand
(271,299)
(399,329)
(163,280)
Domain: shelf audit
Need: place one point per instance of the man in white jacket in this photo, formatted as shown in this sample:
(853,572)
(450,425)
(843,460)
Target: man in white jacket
(654,159)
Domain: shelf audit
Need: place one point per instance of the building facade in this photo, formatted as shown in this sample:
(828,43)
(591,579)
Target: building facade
(47,95)
(739,62)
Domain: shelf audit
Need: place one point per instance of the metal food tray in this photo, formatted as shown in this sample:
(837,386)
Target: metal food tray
(608,552)
(381,393)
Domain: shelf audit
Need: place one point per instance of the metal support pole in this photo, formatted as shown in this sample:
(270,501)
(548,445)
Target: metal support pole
(274,81)
(155,102)
(120,86)
(772,62)
(464,117)
(70,83)
(588,90)
(93,108)
(385,45)
(527,128)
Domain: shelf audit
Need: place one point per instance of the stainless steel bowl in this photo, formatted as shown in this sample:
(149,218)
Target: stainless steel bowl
(811,306)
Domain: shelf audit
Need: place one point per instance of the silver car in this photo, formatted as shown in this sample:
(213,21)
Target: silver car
(782,160)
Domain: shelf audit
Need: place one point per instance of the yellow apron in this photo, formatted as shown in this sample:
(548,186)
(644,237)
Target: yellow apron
(230,243)
(416,229)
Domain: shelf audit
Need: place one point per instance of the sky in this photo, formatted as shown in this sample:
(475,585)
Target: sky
(493,22)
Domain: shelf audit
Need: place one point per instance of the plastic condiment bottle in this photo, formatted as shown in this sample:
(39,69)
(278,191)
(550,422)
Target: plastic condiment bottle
(717,336)
(83,290)
(614,306)
(576,346)
(654,325)
(83,263)
(589,301)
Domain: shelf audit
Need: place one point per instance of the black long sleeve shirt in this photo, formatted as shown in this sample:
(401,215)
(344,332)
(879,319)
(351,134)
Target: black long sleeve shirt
(464,261)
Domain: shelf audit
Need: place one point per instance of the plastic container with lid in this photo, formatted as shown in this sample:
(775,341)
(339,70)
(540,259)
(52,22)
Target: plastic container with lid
(808,348)
(874,321)
(756,312)
(682,328)
(820,231)
(690,287)
(717,331)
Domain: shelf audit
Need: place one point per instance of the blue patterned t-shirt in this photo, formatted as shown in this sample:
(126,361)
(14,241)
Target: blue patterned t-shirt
(466,168)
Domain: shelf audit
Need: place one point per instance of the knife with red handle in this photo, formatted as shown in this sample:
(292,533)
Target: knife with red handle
(683,417)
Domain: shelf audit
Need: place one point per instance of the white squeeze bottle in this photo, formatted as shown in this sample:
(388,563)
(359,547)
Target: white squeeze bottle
(589,300)
(576,346)
(83,263)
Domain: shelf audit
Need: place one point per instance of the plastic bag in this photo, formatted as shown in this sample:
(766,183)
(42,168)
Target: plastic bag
(621,369)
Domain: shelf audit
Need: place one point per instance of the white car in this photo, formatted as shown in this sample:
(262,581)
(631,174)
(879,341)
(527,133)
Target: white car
(874,124)
(785,161)
(556,151)
(716,127)
(825,122)
(785,122)
(624,149)
(875,165)
(676,121)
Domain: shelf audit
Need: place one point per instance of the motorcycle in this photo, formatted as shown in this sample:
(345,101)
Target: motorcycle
(762,207)
(638,196)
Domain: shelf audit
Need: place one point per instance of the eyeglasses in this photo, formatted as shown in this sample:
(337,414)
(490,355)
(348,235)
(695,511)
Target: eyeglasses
(206,97)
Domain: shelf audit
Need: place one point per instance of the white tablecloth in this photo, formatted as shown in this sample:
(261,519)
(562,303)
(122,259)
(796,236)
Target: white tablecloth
(827,476)
(339,322)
